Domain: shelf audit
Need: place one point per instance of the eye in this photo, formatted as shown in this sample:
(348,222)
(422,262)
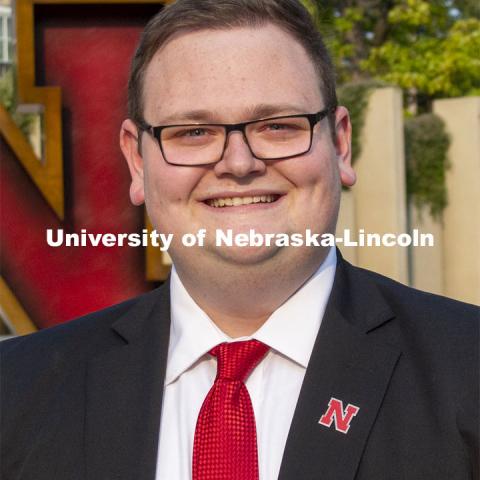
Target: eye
(194,132)
(281,125)
(191,135)
(278,126)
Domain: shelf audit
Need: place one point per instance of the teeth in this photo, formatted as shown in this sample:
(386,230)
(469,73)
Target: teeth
(237,201)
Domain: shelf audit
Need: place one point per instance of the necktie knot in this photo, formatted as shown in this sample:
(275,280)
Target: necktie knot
(225,443)
(236,360)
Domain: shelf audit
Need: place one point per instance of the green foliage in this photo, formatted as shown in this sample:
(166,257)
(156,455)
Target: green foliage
(426,146)
(434,66)
(8,100)
(355,96)
(428,48)
(469,8)
(7,93)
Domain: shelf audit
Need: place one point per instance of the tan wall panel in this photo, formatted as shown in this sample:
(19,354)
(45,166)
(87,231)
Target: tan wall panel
(346,220)
(380,193)
(462,215)
(427,269)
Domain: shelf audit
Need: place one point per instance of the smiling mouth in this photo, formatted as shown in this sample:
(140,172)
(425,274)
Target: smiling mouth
(238,201)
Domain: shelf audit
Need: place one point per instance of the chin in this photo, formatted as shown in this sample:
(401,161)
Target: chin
(247,256)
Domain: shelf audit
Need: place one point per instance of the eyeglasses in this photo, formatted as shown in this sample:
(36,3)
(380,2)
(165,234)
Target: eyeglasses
(275,138)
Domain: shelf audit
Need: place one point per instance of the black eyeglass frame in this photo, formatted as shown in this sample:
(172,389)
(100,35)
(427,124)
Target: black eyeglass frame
(313,119)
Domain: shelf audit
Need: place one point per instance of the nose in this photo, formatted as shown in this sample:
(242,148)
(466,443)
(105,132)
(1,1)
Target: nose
(237,159)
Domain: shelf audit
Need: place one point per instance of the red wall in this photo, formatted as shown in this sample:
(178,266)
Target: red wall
(86,50)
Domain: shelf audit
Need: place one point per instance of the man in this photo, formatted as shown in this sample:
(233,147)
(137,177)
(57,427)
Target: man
(251,362)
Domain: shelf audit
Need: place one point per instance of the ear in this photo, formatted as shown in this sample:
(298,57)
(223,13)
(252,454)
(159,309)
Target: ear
(129,143)
(343,146)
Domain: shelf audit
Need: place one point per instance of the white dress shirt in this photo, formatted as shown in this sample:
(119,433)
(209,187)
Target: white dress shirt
(274,385)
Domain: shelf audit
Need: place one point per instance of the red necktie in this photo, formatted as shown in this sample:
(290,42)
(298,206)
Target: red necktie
(225,445)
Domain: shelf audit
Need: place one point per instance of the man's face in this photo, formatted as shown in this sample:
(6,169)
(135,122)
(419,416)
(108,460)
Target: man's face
(233,76)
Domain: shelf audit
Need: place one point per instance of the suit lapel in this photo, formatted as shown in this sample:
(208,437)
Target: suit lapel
(124,393)
(349,364)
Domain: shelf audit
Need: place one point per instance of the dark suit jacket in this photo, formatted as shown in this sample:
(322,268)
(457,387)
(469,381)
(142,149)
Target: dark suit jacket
(83,400)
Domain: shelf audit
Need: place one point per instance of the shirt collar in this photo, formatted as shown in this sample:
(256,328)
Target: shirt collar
(291,330)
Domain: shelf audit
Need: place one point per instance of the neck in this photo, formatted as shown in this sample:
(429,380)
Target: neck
(240,298)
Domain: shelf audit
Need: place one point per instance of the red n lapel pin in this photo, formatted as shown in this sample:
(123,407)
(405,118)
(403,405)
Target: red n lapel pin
(336,413)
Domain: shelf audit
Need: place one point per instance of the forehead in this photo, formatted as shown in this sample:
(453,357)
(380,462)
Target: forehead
(230,72)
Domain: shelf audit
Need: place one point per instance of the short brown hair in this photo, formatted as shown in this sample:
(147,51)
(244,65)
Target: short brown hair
(194,15)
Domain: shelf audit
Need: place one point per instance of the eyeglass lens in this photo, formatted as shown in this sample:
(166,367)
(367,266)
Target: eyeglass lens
(268,139)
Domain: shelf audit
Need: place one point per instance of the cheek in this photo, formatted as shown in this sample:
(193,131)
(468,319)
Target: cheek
(168,185)
(317,175)
(168,196)
(317,193)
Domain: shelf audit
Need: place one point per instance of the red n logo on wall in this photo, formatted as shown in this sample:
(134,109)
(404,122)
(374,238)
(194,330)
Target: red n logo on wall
(336,413)
(73,58)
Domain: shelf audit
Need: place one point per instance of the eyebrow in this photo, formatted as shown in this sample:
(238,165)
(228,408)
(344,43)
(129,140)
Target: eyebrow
(257,112)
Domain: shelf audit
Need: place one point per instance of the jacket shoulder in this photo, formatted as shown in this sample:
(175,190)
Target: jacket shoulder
(424,306)
(438,334)
(425,325)
(74,340)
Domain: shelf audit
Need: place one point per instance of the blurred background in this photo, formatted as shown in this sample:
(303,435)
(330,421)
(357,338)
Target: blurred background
(408,71)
